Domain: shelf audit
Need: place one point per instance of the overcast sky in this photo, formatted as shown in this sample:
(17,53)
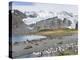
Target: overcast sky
(29,6)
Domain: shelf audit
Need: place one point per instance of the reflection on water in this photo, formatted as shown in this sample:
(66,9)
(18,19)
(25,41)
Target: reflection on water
(26,37)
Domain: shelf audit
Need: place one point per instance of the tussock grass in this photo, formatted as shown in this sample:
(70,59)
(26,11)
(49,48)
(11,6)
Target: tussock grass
(57,32)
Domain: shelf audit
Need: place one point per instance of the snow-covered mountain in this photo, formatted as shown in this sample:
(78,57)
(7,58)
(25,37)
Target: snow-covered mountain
(40,15)
(32,21)
(43,15)
(69,16)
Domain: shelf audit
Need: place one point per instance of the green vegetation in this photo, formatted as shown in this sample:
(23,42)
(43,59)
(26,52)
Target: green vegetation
(56,32)
(42,30)
(61,42)
(67,52)
(28,47)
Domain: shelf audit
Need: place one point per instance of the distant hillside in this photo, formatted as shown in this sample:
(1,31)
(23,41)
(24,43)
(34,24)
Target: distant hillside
(18,26)
(51,23)
(17,17)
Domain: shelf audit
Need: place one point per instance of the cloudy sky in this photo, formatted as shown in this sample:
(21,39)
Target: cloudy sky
(30,6)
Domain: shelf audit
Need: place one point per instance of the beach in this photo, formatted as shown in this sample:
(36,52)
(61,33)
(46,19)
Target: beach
(21,50)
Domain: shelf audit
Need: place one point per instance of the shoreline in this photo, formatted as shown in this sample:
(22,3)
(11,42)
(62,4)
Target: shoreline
(23,48)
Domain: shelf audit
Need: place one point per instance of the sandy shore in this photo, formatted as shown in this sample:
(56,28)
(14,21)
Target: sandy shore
(19,50)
